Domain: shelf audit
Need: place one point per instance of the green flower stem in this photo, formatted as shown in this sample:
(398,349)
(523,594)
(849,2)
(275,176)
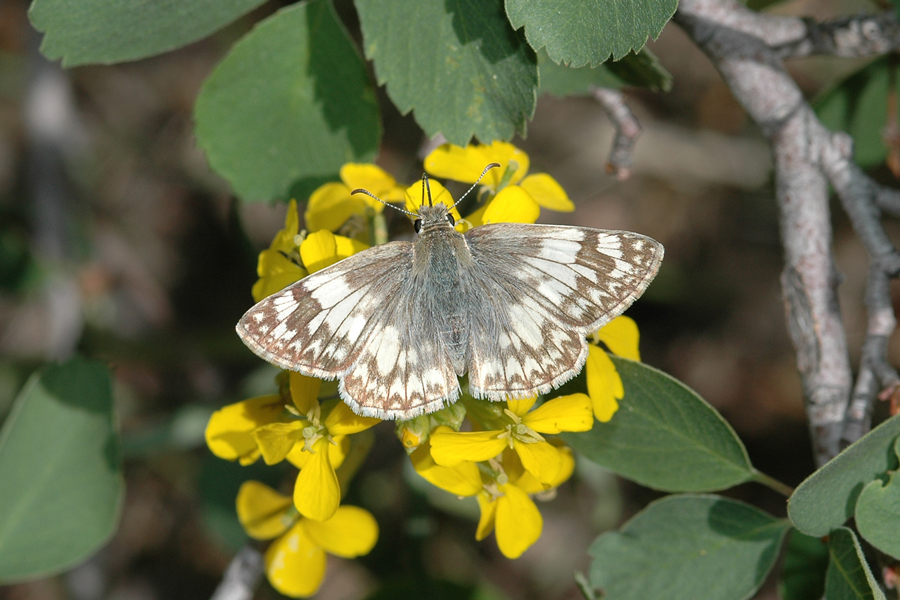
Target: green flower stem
(378,233)
(772,483)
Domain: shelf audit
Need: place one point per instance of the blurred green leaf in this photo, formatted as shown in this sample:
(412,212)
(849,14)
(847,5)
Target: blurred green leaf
(291,102)
(60,471)
(849,576)
(665,436)
(878,512)
(458,65)
(641,70)
(827,498)
(586,32)
(859,106)
(109,31)
(803,572)
(688,547)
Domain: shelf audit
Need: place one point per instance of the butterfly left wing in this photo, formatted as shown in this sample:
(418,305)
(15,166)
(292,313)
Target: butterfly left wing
(528,323)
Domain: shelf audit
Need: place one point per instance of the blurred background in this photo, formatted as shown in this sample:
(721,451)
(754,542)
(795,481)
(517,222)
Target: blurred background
(118,242)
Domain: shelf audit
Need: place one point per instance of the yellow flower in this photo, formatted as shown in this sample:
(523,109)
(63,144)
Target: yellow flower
(462,479)
(521,433)
(604,385)
(317,446)
(416,195)
(291,257)
(517,197)
(229,433)
(331,204)
(276,267)
(507,508)
(295,562)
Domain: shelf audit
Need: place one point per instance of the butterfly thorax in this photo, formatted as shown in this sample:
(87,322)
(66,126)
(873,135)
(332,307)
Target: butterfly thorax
(440,259)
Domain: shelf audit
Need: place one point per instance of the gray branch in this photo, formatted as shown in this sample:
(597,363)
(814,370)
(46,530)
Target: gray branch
(242,576)
(748,48)
(628,130)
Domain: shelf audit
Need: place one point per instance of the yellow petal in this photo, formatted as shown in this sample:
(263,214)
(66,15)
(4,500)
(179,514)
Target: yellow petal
(527,482)
(488,506)
(295,565)
(319,250)
(284,239)
(331,205)
(451,448)
(317,493)
(466,164)
(565,413)
(603,383)
(512,205)
(540,459)
(345,246)
(337,452)
(262,511)
(460,480)
(277,439)
(229,433)
(351,532)
(372,178)
(519,522)
(304,392)
(476,219)
(439,195)
(622,337)
(547,192)
(521,407)
(276,272)
(343,421)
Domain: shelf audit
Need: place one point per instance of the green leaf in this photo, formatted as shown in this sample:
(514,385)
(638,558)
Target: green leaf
(878,512)
(586,32)
(803,572)
(457,64)
(61,472)
(289,104)
(641,70)
(665,436)
(827,498)
(688,547)
(859,106)
(849,576)
(108,31)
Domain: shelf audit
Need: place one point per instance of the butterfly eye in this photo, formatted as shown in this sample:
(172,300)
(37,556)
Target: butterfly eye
(451,219)
(418,225)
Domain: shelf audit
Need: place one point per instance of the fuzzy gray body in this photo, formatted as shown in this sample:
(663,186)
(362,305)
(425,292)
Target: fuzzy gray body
(508,303)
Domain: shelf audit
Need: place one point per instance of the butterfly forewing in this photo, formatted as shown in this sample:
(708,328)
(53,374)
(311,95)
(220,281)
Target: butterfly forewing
(354,320)
(544,288)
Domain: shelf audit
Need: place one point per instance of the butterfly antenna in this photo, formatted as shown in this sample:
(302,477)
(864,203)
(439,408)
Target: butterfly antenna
(426,185)
(371,195)
(474,185)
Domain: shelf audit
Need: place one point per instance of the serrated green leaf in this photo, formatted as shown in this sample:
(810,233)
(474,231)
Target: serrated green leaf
(109,31)
(878,512)
(859,106)
(642,69)
(665,436)
(587,32)
(688,547)
(457,64)
(803,572)
(849,576)
(827,498)
(290,103)
(60,471)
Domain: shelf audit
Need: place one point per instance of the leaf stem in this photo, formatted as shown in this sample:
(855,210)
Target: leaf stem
(772,483)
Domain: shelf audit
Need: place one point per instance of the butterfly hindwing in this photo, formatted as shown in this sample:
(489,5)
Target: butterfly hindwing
(351,321)
(547,287)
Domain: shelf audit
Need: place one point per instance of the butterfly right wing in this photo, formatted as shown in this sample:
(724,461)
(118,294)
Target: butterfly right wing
(355,321)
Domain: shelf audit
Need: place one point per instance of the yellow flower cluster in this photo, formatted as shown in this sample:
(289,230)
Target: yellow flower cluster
(504,461)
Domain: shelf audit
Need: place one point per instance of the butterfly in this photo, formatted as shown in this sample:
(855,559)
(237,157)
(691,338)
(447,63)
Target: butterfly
(508,303)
